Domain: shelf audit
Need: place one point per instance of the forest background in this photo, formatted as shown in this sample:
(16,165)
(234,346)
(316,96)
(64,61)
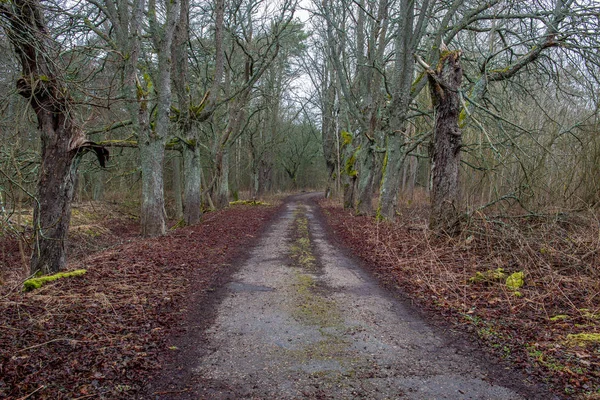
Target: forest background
(472,120)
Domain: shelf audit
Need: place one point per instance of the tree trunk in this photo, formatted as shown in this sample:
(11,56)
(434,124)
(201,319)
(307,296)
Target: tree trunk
(401,98)
(153,216)
(254,183)
(444,84)
(253,168)
(98,189)
(414,164)
(265,175)
(349,173)
(221,194)
(192,173)
(177,197)
(405,167)
(128,21)
(61,141)
(328,129)
(349,192)
(364,204)
(52,213)
(192,209)
(391,176)
(152,143)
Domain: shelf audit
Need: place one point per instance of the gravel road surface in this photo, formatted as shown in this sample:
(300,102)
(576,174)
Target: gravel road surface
(302,320)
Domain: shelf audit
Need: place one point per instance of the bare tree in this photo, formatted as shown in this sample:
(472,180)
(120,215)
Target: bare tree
(190,114)
(444,85)
(63,142)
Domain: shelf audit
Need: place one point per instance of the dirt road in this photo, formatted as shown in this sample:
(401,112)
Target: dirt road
(302,320)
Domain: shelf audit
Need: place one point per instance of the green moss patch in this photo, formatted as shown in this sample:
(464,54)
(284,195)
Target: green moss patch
(36,283)
(248,203)
(560,317)
(515,281)
(583,339)
(312,308)
(301,249)
(491,275)
(346,138)
(586,313)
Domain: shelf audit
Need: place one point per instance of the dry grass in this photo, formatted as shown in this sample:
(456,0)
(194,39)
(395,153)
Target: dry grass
(94,226)
(559,256)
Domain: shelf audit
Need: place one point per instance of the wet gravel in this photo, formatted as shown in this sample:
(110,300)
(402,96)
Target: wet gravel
(317,326)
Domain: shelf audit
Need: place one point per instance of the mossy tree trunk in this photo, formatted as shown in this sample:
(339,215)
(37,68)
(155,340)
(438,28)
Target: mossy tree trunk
(328,130)
(444,84)
(187,124)
(152,141)
(364,201)
(349,173)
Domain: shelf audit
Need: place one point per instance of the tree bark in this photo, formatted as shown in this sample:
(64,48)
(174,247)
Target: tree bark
(153,216)
(349,173)
(152,143)
(192,172)
(390,180)
(265,175)
(192,203)
(328,128)
(401,98)
(62,142)
(52,213)
(98,186)
(443,85)
(221,197)
(364,204)
(177,197)
(127,20)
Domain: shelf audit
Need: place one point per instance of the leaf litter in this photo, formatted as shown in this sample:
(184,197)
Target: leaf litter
(549,328)
(101,335)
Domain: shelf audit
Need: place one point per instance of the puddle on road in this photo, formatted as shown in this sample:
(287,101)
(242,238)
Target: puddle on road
(246,287)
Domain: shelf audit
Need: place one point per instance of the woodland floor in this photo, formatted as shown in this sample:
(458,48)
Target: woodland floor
(123,324)
(104,335)
(549,328)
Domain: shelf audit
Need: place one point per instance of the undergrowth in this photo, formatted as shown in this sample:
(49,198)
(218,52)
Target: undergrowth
(105,335)
(536,327)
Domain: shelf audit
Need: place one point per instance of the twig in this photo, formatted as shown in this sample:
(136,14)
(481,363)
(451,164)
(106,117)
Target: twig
(87,396)
(32,393)
(48,342)
(172,391)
